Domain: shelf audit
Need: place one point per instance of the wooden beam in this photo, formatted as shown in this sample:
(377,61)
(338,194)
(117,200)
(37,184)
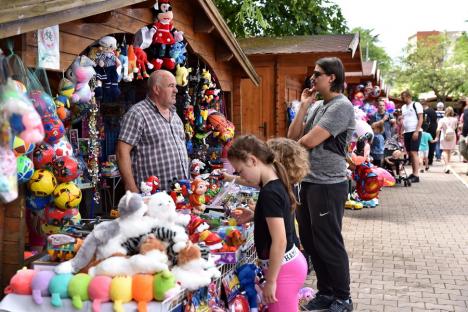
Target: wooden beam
(98,18)
(62,14)
(201,24)
(223,54)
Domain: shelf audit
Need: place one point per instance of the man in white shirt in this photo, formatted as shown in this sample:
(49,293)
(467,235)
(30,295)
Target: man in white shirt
(412,121)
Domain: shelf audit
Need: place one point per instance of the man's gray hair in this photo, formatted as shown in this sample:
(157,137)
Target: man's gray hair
(157,78)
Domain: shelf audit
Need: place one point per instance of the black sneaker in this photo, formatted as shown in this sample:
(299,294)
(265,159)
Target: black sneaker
(341,306)
(413,178)
(319,303)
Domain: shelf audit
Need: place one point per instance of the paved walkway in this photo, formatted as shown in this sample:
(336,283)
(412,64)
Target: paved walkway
(411,252)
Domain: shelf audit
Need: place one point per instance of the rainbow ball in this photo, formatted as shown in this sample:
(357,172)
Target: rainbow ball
(21,147)
(53,128)
(25,168)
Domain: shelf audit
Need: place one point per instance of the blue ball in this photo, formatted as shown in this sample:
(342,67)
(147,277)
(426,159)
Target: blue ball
(36,203)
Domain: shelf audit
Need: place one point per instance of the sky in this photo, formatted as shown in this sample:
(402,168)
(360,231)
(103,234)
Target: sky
(396,20)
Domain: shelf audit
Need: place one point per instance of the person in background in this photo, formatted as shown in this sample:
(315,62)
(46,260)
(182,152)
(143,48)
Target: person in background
(378,143)
(463,126)
(426,139)
(388,120)
(151,141)
(440,112)
(430,126)
(446,133)
(325,129)
(412,121)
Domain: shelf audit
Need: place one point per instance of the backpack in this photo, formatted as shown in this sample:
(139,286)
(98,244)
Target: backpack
(426,122)
(449,134)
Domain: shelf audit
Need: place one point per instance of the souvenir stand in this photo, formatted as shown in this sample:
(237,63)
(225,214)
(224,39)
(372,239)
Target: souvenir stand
(209,66)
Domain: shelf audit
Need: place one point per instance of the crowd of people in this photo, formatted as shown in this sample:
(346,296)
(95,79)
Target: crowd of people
(303,177)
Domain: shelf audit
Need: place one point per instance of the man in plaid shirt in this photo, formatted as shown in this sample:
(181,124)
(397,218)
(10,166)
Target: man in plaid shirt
(152,138)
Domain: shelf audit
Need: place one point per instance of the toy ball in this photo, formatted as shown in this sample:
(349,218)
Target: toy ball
(65,169)
(376,91)
(37,203)
(21,147)
(390,106)
(56,219)
(67,195)
(63,148)
(42,183)
(43,156)
(25,168)
(20,87)
(42,102)
(53,128)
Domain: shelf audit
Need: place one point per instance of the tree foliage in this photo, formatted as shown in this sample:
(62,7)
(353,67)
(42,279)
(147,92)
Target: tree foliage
(437,64)
(370,48)
(250,18)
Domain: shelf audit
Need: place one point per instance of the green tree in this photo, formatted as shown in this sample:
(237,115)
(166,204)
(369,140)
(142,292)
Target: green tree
(437,64)
(250,18)
(370,49)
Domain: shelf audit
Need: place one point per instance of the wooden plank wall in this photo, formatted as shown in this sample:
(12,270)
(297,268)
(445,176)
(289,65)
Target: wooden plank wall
(77,35)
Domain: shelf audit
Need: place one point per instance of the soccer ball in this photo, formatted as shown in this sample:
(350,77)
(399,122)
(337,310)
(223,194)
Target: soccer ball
(65,169)
(53,128)
(43,103)
(36,203)
(25,168)
(67,195)
(56,219)
(43,156)
(42,183)
(63,148)
(20,147)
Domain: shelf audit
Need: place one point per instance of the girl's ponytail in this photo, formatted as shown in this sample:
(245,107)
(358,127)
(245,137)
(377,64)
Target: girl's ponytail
(283,175)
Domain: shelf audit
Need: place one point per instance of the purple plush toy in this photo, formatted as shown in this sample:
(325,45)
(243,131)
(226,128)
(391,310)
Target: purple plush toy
(40,285)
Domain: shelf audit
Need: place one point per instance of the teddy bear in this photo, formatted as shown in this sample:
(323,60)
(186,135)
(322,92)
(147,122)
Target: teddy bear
(80,73)
(107,88)
(151,259)
(107,237)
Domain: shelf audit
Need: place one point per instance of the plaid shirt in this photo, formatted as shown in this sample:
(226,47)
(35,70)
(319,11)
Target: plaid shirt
(158,145)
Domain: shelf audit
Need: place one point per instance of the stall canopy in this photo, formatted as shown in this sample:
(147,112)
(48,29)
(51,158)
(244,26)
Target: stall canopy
(283,64)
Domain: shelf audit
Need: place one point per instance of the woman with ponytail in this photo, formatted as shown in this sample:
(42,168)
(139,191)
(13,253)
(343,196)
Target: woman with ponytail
(284,265)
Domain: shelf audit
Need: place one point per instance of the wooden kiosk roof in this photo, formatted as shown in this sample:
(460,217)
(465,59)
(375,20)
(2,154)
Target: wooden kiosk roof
(22,16)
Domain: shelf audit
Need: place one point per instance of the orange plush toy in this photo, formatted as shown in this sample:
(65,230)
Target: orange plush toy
(198,199)
(142,290)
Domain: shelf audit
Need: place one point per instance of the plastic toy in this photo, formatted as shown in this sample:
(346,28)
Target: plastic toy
(154,182)
(352,204)
(21,282)
(20,147)
(40,285)
(42,183)
(65,169)
(43,155)
(121,291)
(80,74)
(25,168)
(62,247)
(239,304)
(178,193)
(142,290)
(78,289)
(164,285)
(58,288)
(98,291)
(67,195)
(56,219)
(305,295)
(367,182)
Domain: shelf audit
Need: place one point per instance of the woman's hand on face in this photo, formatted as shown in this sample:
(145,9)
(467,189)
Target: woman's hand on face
(243,215)
(308,96)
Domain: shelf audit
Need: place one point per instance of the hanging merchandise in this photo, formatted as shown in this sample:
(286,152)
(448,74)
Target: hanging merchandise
(94,149)
(62,100)
(107,76)
(80,73)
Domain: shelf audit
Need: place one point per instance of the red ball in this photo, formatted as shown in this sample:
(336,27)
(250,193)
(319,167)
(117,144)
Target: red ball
(65,169)
(53,128)
(43,156)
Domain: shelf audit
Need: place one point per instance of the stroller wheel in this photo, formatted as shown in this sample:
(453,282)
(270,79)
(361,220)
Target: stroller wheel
(408,182)
(405,183)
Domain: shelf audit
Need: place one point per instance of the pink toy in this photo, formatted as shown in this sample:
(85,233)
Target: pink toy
(21,282)
(8,177)
(99,291)
(306,294)
(40,285)
(81,73)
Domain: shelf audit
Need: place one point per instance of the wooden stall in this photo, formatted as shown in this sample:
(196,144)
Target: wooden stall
(370,72)
(283,64)
(81,23)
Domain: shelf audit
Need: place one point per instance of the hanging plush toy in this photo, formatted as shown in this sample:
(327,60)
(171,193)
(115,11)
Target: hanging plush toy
(66,89)
(178,51)
(123,58)
(182,74)
(143,39)
(223,129)
(106,70)
(80,73)
(164,37)
(132,67)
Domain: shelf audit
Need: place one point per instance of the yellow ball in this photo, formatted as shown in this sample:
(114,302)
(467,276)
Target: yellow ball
(67,195)
(42,183)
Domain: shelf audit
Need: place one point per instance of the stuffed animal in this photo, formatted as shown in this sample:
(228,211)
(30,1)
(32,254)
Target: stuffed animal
(154,182)
(179,193)
(223,129)
(20,283)
(40,285)
(142,290)
(78,289)
(196,166)
(246,274)
(177,52)
(132,66)
(121,291)
(80,73)
(196,226)
(164,286)
(66,90)
(108,237)
(145,188)
(58,288)
(198,199)
(142,63)
(122,54)
(182,74)
(107,77)
(99,291)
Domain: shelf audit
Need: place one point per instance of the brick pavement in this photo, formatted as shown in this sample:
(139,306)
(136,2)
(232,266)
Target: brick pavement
(411,252)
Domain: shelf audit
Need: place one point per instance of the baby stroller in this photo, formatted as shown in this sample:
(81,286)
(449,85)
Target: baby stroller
(394,161)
